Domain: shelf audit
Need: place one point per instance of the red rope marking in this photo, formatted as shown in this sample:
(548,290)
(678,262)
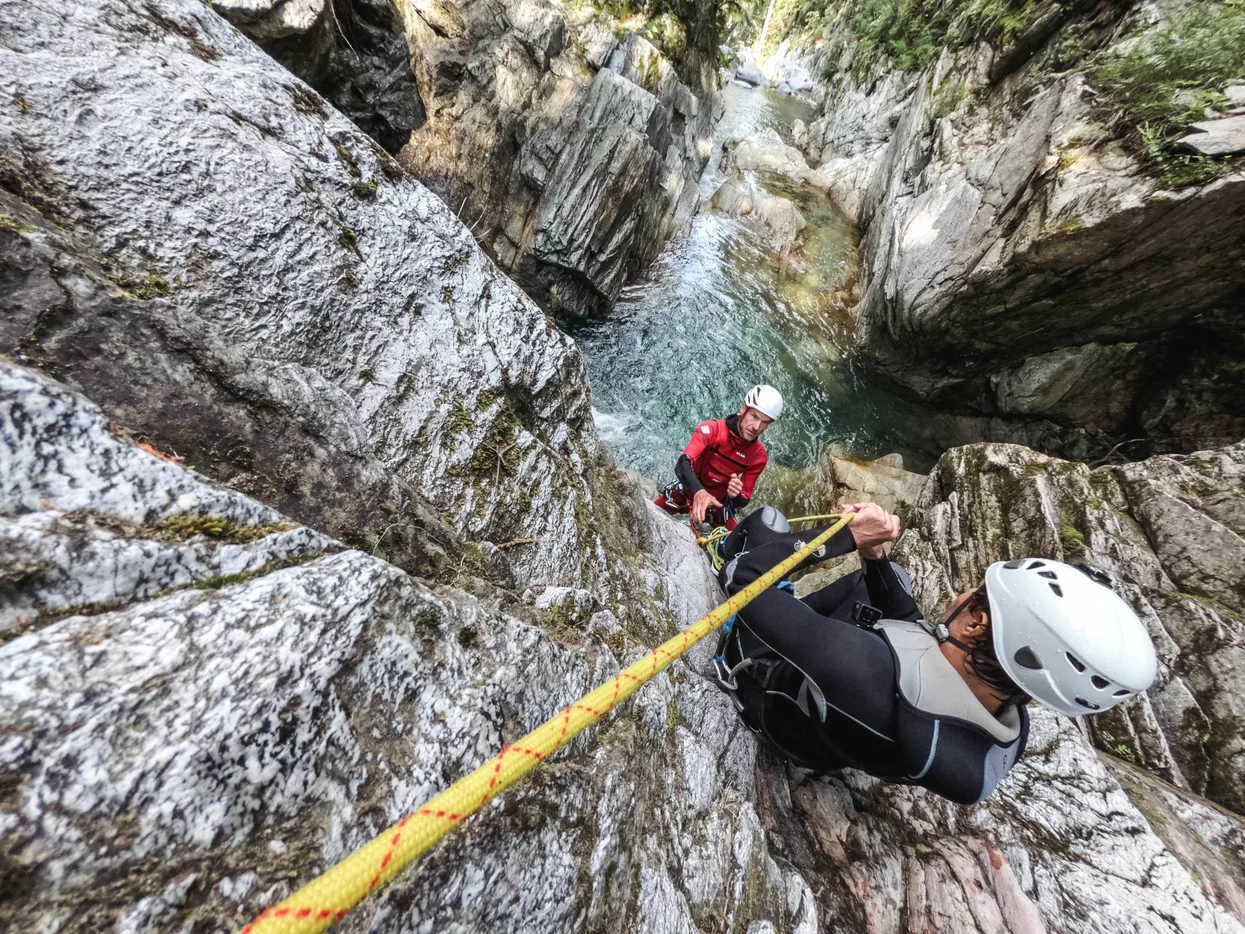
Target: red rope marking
(496,771)
(281,912)
(566,723)
(427,812)
(325,913)
(303,913)
(595,713)
(393,845)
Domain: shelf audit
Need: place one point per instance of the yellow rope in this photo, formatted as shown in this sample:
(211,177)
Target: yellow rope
(721,531)
(330,896)
(814,518)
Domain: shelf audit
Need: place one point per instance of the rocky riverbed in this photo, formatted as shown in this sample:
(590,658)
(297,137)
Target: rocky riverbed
(304,514)
(1025,259)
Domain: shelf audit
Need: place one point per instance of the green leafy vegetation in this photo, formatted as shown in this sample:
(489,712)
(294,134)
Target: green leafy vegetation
(1169,80)
(674,26)
(1119,750)
(908,32)
(800,21)
(1002,21)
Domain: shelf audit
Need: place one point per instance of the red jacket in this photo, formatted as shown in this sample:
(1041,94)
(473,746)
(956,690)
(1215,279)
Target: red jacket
(716,453)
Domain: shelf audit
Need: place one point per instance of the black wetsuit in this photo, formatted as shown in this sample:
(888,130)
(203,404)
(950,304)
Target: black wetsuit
(824,688)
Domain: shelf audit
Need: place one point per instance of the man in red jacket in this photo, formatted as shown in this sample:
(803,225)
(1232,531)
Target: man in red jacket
(718,469)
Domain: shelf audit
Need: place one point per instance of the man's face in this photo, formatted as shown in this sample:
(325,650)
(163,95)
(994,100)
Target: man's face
(752,423)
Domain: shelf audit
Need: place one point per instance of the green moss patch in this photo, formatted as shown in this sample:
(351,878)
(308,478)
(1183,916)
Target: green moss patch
(459,420)
(153,285)
(306,101)
(184,526)
(347,158)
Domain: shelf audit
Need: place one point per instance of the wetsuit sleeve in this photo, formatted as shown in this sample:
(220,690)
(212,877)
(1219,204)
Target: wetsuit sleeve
(702,437)
(752,533)
(687,476)
(886,592)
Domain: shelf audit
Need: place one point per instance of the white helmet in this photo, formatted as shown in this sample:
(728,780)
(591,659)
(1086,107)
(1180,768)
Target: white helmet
(765,399)
(1065,637)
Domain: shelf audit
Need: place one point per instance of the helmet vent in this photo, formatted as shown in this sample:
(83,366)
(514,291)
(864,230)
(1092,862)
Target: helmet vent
(1076,662)
(1026,659)
(1099,682)
(1055,587)
(1124,692)
(1037,564)
(1051,575)
(1087,705)
(1013,565)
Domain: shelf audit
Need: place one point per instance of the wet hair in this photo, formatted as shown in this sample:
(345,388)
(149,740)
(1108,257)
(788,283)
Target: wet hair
(984,662)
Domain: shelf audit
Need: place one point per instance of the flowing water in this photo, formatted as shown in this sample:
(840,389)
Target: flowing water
(720,311)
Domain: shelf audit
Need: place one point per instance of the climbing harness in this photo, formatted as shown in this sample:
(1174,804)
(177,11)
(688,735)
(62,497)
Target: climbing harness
(330,896)
(725,672)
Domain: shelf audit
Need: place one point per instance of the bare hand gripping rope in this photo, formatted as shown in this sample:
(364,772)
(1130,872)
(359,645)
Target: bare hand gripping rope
(329,897)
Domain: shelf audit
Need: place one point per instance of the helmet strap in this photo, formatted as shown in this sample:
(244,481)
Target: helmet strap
(942,631)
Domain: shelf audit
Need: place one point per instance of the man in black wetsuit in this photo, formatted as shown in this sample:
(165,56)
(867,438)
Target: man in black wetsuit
(853,675)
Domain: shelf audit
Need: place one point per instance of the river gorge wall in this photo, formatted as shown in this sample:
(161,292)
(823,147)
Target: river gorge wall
(303,516)
(570,146)
(1024,256)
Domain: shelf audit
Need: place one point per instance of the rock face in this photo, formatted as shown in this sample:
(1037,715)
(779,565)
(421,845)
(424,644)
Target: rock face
(573,156)
(353,52)
(790,71)
(766,152)
(185,758)
(197,722)
(207,696)
(1009,250)
(1221,137)
(248,281)
(783,220)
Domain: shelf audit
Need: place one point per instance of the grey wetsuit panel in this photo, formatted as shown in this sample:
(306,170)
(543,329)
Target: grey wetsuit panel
(929,683)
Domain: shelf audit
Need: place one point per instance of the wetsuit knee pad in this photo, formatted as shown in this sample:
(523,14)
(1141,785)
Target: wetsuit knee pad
(774,520)
(904,579)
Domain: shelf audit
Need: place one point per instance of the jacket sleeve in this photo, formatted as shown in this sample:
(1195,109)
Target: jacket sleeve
(684,469)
